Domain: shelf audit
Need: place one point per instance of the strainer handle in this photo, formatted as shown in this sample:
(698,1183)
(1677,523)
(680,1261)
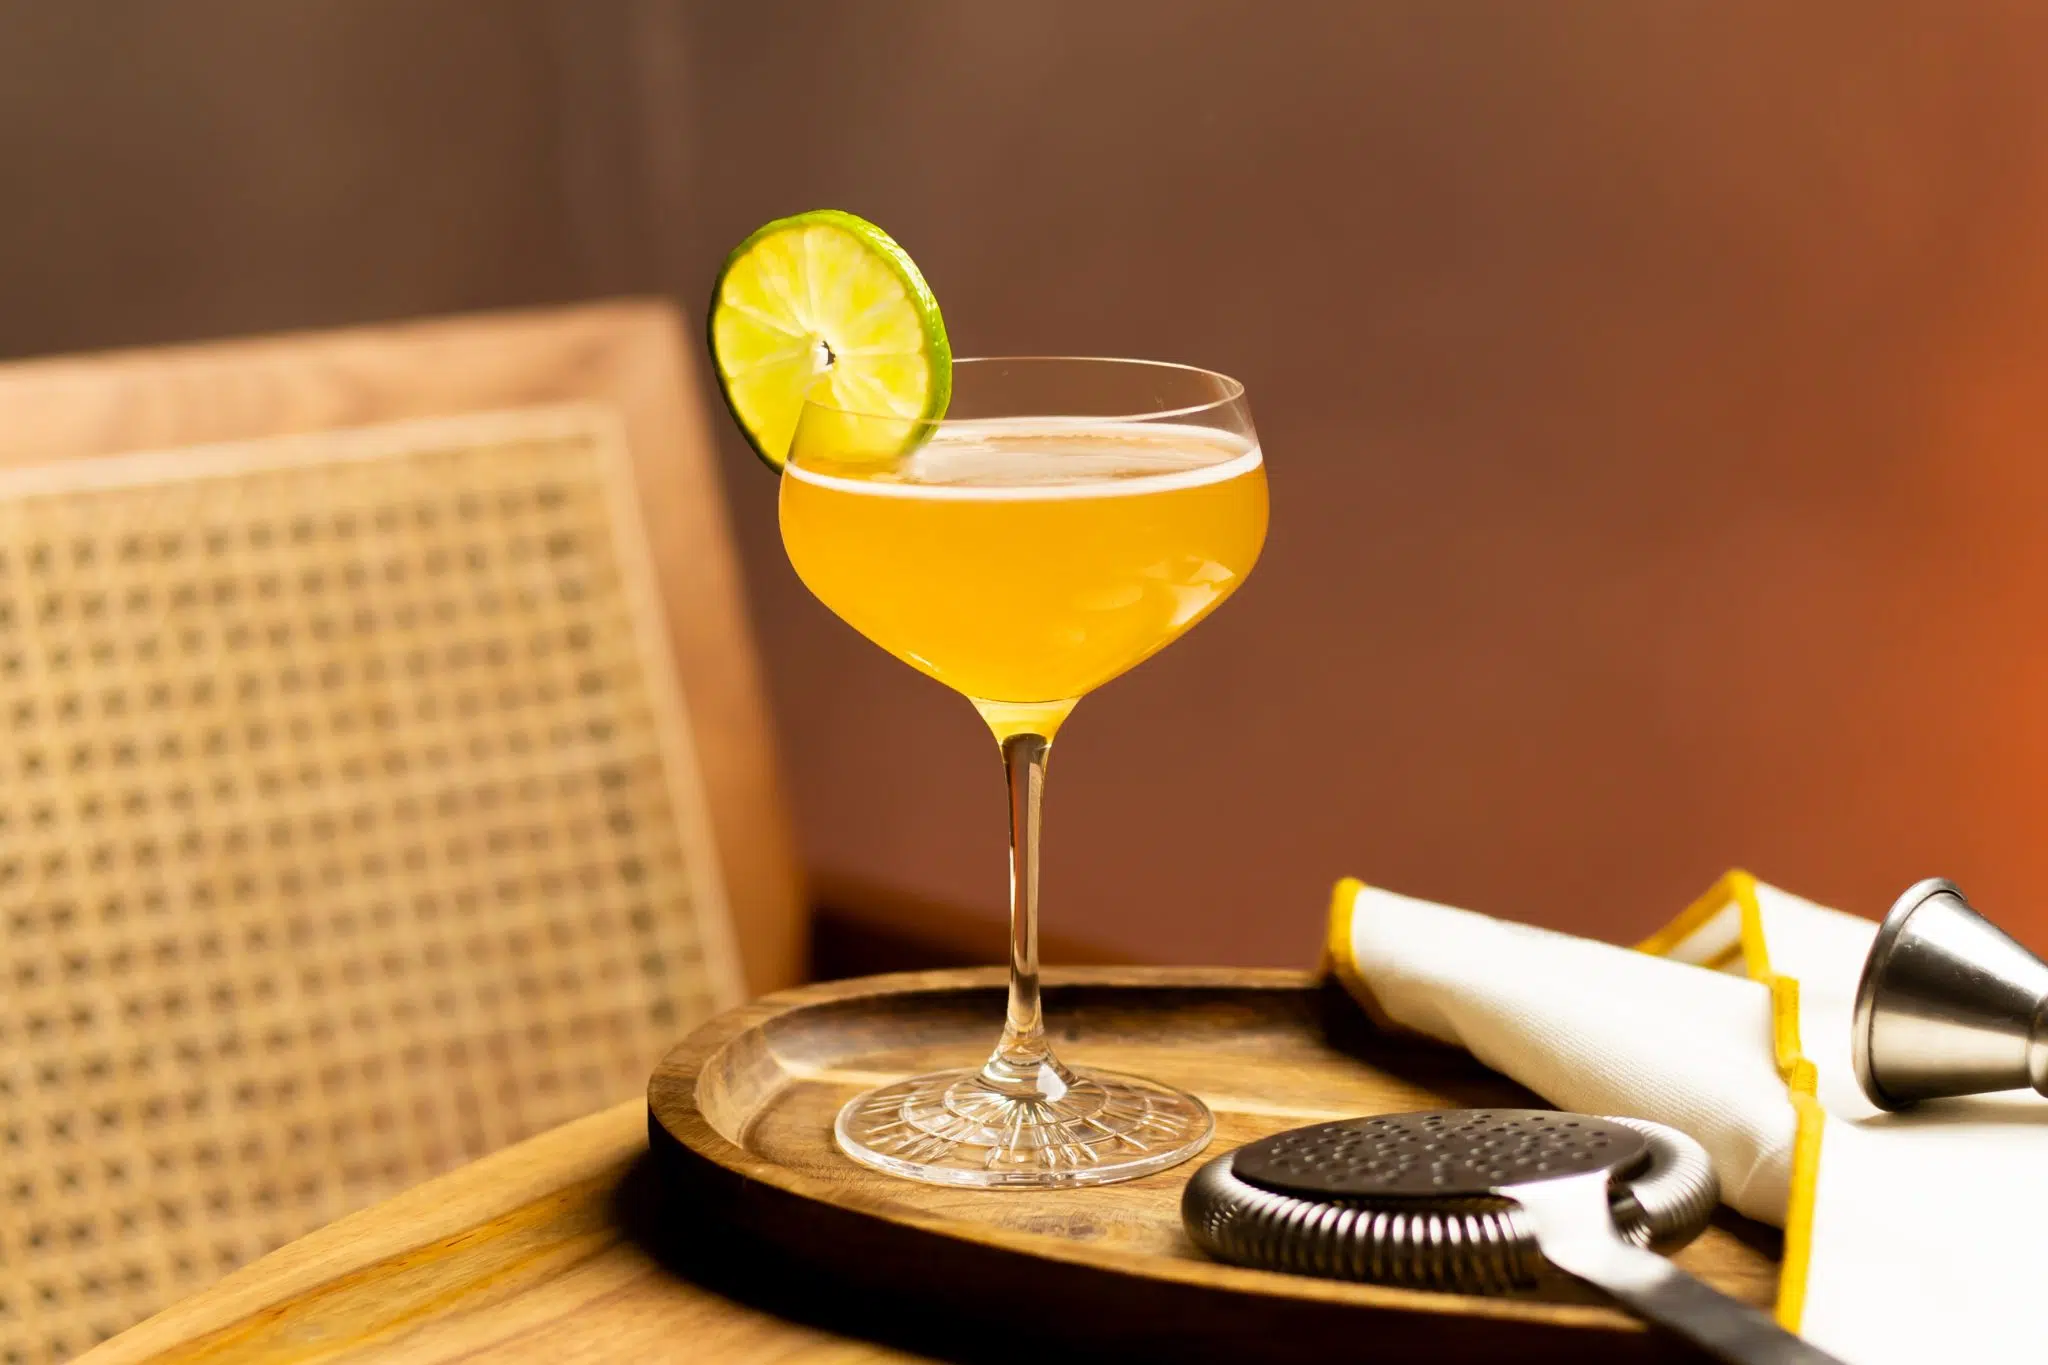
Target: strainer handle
(1575,1230)
(1726,1329)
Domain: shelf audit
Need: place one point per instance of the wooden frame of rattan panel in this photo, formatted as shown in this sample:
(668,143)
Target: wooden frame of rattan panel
(585,386)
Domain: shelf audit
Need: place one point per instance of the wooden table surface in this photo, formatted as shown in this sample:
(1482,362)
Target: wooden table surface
(557,1250)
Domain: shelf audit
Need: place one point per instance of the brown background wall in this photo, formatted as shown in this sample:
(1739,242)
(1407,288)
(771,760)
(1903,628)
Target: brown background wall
(1653,394)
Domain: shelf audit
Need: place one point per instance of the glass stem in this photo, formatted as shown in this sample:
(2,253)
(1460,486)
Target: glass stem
(1023,1064)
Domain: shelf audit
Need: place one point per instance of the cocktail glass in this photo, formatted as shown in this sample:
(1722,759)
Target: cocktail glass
(1064,521)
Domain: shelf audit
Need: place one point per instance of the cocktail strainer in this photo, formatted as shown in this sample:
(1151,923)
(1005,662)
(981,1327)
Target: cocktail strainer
(1478,1200)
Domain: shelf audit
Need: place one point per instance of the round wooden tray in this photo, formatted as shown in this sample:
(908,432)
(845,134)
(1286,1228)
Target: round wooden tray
(740,1118)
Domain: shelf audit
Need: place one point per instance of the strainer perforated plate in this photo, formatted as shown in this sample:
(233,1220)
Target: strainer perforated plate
(1447,1154)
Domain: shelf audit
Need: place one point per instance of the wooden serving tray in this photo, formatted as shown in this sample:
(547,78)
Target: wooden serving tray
(740,1119)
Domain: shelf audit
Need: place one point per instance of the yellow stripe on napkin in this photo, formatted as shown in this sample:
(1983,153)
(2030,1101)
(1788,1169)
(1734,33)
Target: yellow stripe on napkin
(1738,889)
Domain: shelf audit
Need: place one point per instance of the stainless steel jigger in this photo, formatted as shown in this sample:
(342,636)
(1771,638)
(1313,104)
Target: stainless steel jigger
(1477,1200)
(1948,1004)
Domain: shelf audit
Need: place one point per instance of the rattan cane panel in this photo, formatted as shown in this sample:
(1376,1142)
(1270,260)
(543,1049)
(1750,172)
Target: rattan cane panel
(348,830)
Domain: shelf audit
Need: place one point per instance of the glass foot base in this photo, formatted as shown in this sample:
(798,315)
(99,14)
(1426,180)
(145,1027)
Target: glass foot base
(956,1128)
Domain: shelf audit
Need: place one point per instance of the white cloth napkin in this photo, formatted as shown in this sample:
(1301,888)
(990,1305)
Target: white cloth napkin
(1908,1237)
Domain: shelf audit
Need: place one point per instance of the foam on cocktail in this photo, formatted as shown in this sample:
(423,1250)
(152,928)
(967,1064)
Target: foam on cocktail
(1028,458)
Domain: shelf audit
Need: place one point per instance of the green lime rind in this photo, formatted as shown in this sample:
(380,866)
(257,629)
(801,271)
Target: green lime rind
(827,284)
